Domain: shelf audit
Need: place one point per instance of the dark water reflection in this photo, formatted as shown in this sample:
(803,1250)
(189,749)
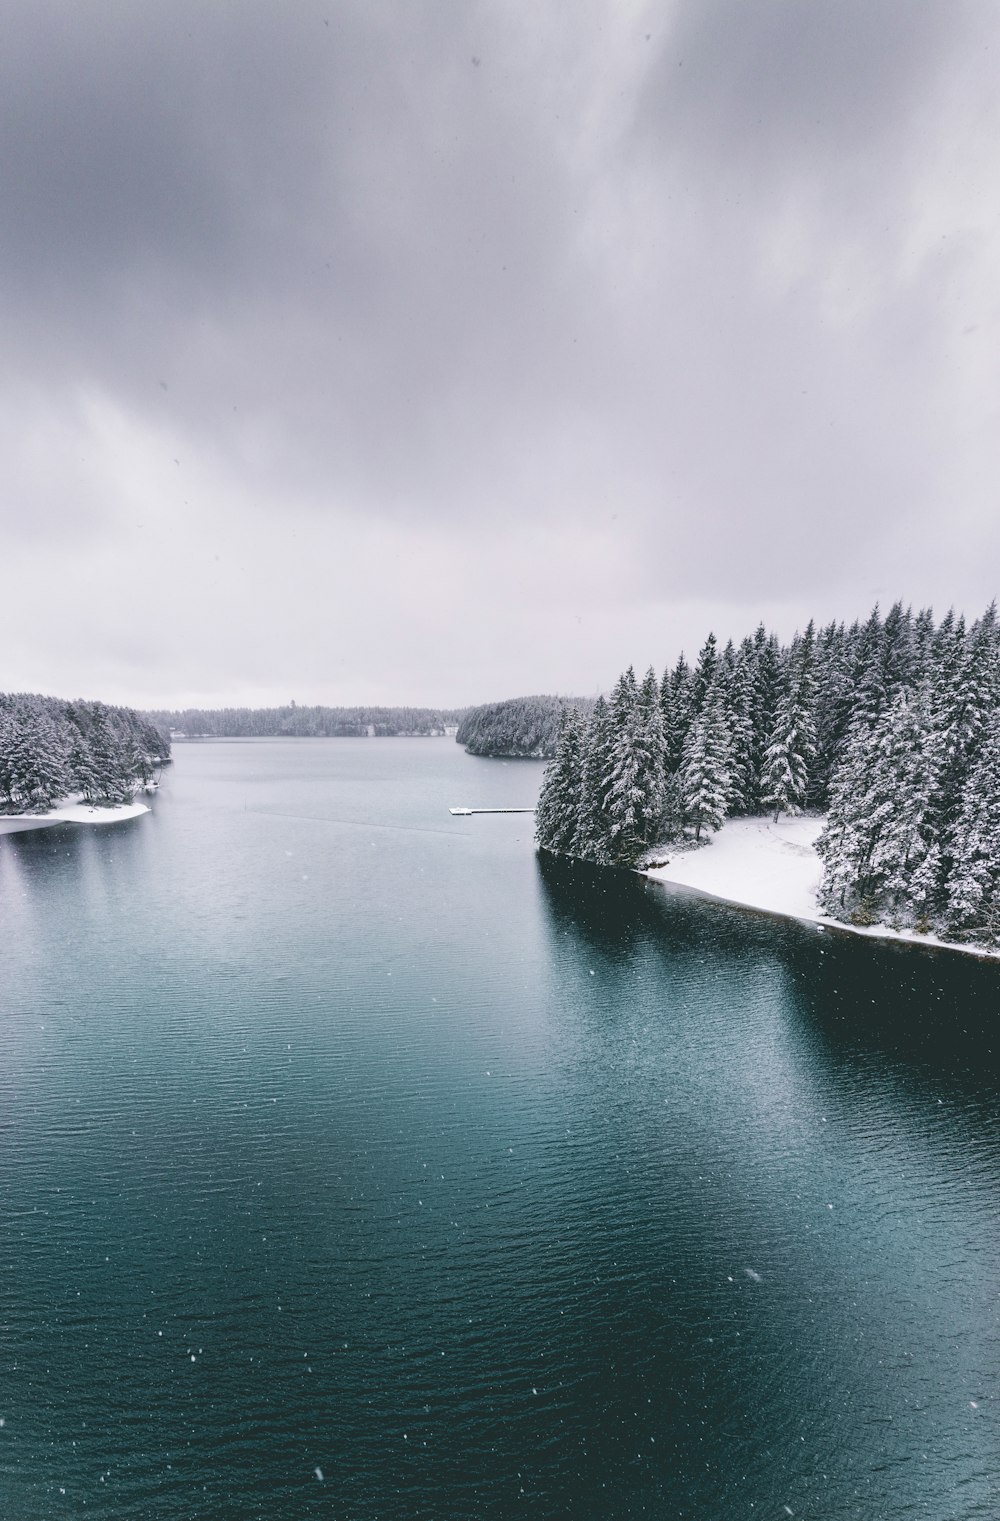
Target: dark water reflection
(339,1134)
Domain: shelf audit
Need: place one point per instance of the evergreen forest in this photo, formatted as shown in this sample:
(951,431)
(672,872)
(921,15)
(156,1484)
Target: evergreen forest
(51,749)
(890,728)
(306,722)
(518,726)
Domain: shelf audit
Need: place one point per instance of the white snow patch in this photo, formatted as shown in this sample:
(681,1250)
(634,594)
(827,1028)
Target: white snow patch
(756,863)
(70,813)
(773,867)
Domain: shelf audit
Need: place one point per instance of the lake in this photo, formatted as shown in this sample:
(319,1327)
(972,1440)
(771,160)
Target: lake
(353,1164)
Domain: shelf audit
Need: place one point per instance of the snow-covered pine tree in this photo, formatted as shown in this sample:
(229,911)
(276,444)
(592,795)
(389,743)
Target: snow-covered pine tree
(792,742)
(593,840)
(652,756)
(845,842)
(899,665)
(766,667)
(624,784)
(677,703)
(707,669)
(973,889)
(965,699)
(739,720)
(557,816)
(110,754)
(36,768)
(6,744)
(923,645)
(705,774)
(904,857)
(834,700)
(879,845)
(83,776)
(870,697)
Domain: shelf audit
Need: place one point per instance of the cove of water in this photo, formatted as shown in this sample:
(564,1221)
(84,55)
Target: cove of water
(354,1164)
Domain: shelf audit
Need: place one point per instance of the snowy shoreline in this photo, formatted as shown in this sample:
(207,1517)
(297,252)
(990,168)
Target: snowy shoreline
(70,813)
(773,868)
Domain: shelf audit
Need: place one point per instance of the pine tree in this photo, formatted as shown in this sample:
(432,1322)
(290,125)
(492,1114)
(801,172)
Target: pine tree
(677,703)
(923,645)
(879,845)
(557,816)
(110,757)
(973,890)
(904,856)
(834,700)
(792,742)
(652,757)
(739,721)
(622,782)
(705,672)
(870,696)
(36,769)
(844,844)
(705,775)
(593,840)
(899,666)
(766,669)
(965,698)
(83,775)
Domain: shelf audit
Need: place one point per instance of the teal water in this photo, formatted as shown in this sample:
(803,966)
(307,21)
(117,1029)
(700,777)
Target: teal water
(354,1165)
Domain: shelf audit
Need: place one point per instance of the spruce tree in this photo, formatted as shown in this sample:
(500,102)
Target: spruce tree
(792,742)
(834,701)
(706,775)
(623,785)
(870,696)
(739,721)
(593,840)
(973,891)
(36,769)
(678,705)
(899,666)
(557,815)
(879,845)
(652,757)
(706,671)
(768,685)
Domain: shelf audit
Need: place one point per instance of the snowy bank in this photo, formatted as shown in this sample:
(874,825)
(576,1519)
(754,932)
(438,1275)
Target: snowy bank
(70,813)
(774,868)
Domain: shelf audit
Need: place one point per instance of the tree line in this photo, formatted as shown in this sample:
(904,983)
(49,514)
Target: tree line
(518,726)
(51,749)
(308,722)
(891,727)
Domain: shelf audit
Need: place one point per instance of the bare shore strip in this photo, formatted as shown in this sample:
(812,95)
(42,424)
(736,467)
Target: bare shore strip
(774,869)
(70,813)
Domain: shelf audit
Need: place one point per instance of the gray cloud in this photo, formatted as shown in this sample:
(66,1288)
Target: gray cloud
(447,317)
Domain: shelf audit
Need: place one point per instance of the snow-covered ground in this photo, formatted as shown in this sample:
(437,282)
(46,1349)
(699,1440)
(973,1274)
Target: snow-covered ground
(756,863)
(70,813)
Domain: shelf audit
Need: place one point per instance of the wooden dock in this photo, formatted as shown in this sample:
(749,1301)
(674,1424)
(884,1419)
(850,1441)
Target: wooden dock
(464,811)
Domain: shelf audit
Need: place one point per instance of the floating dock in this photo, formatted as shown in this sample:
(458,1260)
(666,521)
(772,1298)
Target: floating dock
(490,810)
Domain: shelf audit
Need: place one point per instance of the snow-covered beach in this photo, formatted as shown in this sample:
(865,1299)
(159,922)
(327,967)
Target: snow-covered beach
(70,813)
(773,868)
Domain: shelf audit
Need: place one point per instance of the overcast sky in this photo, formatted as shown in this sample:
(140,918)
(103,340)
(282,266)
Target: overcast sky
(430,352)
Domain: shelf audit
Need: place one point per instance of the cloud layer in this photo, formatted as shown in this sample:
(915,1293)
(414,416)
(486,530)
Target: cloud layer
(367,352)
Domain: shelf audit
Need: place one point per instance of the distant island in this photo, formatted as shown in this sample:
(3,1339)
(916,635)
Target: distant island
(518,727)
(887,731)
(52,750)
(305,722)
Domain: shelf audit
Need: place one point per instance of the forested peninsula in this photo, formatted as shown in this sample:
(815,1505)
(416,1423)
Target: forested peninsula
(518,726)
(51,749)
(306,722)
(889,728)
